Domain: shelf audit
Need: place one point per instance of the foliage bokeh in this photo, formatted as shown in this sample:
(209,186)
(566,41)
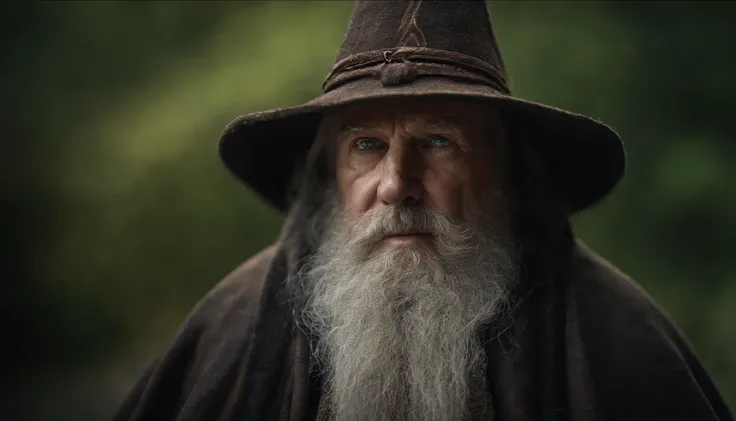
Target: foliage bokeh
(118,215)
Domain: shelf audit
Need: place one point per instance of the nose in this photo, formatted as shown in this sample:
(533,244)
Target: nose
(400,182)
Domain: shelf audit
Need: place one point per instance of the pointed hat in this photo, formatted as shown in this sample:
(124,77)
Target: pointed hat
(423,49)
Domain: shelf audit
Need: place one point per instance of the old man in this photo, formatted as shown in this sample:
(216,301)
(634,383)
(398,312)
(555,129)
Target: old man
(427,269)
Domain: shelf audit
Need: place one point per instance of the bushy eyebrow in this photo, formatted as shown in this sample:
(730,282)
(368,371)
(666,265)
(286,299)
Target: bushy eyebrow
(441,126)
(354,128)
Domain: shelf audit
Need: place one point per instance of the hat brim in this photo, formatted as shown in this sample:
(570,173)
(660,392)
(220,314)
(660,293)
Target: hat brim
(585,157)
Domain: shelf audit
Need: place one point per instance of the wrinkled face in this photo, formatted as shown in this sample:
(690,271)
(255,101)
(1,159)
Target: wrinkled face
(419,256)
(438,154)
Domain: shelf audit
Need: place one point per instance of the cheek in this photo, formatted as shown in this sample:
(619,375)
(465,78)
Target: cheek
(447,190)
(357,189)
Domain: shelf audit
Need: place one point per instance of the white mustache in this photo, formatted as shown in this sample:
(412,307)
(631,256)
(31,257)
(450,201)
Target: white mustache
(386,221)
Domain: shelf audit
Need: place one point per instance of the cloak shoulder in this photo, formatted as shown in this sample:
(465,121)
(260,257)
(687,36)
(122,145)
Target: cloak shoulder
(205,351)
(627,360)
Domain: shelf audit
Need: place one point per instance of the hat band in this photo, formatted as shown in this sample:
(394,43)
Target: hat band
(404,64)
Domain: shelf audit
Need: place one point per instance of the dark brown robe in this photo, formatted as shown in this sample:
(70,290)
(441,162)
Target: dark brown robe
(590,346)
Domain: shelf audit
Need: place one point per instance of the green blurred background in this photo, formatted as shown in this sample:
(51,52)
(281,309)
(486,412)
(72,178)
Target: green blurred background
(118,215)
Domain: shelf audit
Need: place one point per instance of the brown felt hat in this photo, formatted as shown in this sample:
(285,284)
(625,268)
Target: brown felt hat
(427,49)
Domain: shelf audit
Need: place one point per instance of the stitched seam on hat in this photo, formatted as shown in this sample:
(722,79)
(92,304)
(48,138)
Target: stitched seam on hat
(409,29)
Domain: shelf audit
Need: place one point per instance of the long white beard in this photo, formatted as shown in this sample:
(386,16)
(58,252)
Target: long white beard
(398,327)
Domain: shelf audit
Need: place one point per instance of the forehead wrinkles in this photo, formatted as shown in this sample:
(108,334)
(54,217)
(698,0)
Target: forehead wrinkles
(396,119)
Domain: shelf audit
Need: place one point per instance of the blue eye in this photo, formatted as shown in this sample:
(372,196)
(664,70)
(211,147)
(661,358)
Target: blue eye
(367,144)
(439,141)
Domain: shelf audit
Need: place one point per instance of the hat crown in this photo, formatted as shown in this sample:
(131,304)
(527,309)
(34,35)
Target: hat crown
(462,27)
(417,49)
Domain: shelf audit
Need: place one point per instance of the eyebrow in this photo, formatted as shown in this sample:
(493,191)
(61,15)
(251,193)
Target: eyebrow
(354,128)
(442,125)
